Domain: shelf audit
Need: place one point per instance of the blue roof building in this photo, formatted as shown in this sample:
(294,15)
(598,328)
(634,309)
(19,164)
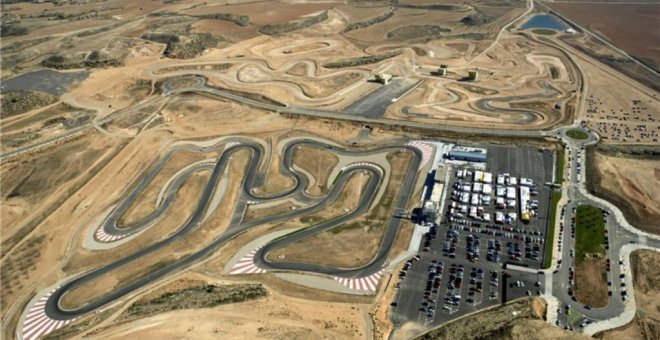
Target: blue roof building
(467,156)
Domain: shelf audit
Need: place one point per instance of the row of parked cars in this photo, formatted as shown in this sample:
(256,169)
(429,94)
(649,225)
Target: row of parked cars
(472,248)
(456,273)
(435,272)
(450,243)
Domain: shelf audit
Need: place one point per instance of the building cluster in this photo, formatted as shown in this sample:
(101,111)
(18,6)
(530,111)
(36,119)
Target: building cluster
(475,189)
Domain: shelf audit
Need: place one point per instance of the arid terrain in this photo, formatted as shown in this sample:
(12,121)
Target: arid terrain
(645,324)
(148,142)
(631,181)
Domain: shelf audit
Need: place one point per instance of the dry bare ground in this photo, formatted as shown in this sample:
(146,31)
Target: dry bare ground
(279,317)
(355,242)
(318,163)
(590,287)
(646,324)
(145,202)
(52,248)
(634,181)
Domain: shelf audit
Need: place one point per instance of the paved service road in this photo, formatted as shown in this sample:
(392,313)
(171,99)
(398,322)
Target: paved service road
(346,116)
(375,103)
(618,234)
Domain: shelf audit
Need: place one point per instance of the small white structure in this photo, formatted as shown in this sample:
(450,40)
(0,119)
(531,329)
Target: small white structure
(513,180)
(499,202)
(478,176)
(499,217)
(473,212)
(510,192)
(524,202)
(383,78)
(474,200)
(526,182)
(511,204)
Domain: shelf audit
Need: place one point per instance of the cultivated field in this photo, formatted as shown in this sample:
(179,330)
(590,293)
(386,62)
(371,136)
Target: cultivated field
(632,27)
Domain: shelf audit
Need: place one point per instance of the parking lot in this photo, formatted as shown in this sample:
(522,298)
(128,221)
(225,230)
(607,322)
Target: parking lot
(461,264)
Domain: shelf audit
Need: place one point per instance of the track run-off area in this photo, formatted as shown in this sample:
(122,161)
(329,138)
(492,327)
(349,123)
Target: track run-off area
(45,314)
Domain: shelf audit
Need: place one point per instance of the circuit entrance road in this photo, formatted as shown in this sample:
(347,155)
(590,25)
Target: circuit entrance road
(617,234)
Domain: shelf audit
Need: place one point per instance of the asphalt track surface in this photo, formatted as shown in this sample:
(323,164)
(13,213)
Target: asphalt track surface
(201,88)
(254,177)
(526,116)
(375,103)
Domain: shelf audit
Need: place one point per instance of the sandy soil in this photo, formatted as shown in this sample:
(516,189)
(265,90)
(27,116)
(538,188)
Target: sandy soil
(280,317)
(402,240)
(32,184)
(646,323)
(262,13)
(319,164)
(360,14)
(193,242)
(635,181)
(327,247)
(355,242)
(145,203)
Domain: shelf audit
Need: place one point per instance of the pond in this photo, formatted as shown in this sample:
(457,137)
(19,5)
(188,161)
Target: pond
(47,81)
(544,21)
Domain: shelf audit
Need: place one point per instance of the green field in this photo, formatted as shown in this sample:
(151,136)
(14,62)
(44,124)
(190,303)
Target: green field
(577,134)
(550,235)
(589,232)
(544,31)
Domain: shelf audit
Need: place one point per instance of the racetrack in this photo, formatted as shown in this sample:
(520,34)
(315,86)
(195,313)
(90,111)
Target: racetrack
(253,178)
